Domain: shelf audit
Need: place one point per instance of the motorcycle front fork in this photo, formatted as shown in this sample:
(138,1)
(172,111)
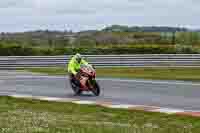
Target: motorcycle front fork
(91,83)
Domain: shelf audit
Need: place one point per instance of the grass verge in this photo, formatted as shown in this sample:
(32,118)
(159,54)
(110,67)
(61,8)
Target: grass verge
(34,116)
(188,74)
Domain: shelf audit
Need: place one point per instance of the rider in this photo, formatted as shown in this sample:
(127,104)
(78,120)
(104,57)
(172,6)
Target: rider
(75,64)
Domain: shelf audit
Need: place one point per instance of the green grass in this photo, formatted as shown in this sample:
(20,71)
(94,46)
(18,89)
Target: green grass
(189,74)
(33,116)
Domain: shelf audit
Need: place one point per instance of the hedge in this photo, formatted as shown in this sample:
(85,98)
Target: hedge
(18,50)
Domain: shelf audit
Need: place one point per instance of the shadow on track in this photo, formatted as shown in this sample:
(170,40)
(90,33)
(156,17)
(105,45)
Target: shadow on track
(83,95)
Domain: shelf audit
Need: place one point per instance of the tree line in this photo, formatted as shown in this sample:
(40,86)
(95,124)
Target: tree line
(106,41)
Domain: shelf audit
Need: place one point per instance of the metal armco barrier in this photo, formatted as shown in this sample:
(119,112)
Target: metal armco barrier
(139,60)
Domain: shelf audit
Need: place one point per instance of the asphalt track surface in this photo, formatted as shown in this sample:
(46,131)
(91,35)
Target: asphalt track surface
(170,94)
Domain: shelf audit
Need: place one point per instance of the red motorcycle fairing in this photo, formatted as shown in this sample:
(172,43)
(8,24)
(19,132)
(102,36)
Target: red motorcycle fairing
(83,81)
(87,82)
(88,72)
(84,75)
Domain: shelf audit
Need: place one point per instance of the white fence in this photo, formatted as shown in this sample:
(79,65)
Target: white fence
(146,60)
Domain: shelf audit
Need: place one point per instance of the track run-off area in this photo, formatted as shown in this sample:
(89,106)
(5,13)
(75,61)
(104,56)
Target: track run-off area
(177,95)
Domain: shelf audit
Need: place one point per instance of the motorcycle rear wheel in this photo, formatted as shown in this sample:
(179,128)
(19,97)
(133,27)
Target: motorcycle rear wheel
(76,89)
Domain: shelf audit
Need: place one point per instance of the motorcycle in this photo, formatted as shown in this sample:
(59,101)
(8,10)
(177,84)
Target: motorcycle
(87,81)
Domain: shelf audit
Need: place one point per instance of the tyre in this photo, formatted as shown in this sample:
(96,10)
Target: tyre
(96,89)
(75,88)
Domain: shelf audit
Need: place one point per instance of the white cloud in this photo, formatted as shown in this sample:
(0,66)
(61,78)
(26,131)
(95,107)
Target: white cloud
(79,14)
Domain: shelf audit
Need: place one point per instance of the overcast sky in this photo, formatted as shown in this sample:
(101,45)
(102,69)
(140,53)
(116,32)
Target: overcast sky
(23,15)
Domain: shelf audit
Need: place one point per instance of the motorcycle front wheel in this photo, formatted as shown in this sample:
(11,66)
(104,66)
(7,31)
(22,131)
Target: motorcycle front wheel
(96,89)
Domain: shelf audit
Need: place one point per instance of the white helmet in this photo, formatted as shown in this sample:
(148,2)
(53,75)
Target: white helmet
(78,57)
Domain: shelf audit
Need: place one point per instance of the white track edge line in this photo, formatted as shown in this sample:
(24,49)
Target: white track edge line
(114,106)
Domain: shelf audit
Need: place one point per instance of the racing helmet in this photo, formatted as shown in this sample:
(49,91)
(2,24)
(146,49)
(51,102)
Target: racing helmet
(78,57)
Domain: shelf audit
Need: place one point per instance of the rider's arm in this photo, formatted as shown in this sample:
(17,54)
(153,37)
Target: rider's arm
(71,67)
(84,62)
